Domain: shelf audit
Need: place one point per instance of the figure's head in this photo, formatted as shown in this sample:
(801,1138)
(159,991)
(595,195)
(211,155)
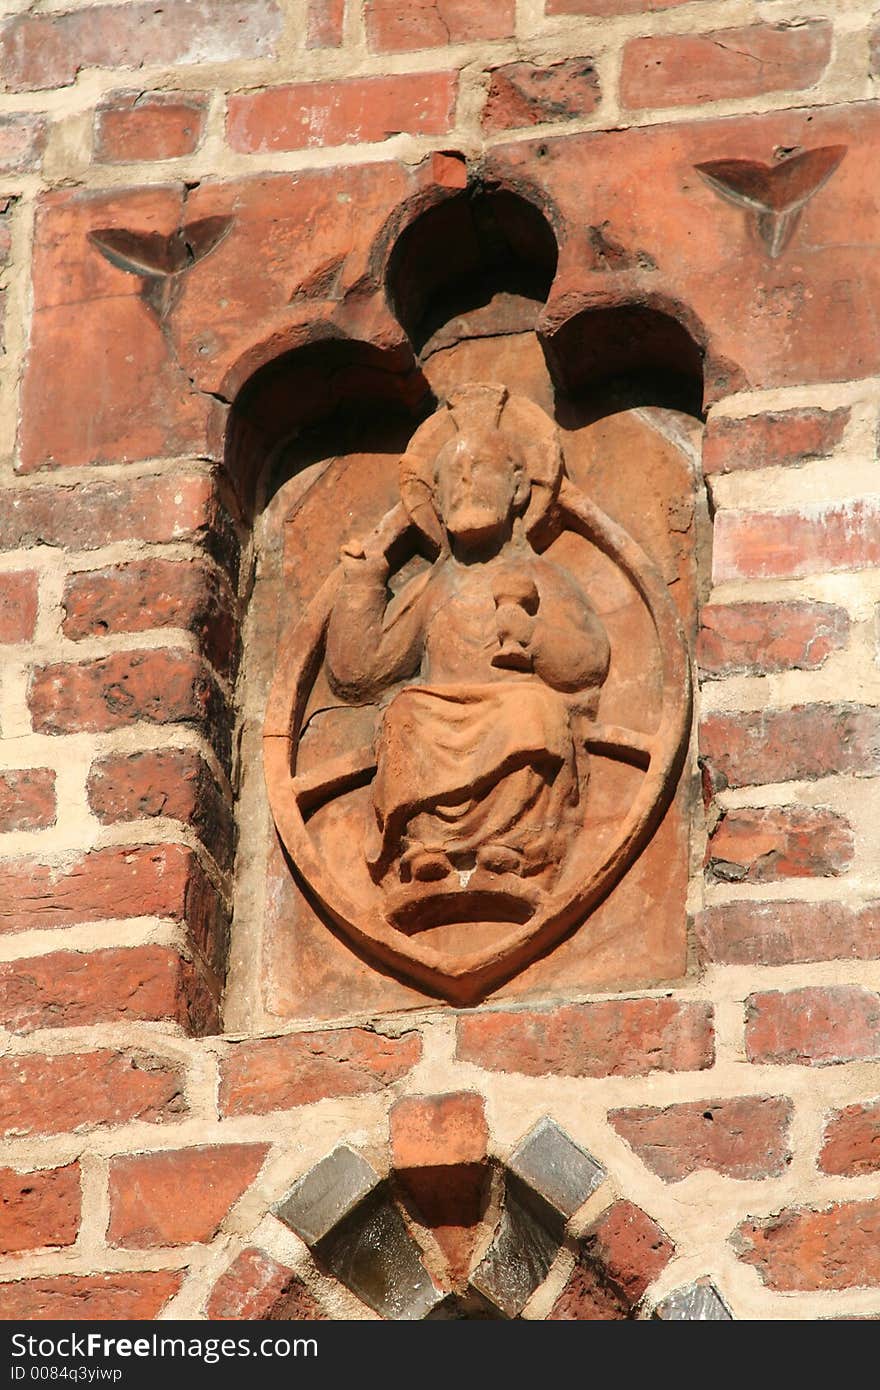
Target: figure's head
(481,484)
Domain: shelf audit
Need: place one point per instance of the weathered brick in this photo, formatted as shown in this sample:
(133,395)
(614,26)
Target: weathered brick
(603,8)
(760,638)
(39,1209)
(120,881)
(396,28)
(838,1248)
(89,1297)
(619,1256)
(788,545)
(744,1137)
(772,440)
(173,782)
(27,798)
(802,743)
(280,1073)
(18,605)
(526,94)
(787,933)
(158,685)
(90,515)
(851,1142)
(686,69)
(134,126)
(325,23)
(178,1197)
(42,51)
(357,109)
(22,141)
(429,1131)
(68,989)
(615,1037)
(257,1287)
(765,844)
(816,1026)
(149,594)
(81,1090)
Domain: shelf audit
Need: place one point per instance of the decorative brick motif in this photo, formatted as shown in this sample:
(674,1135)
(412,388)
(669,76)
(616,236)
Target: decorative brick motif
(627,1037)
(179,1197)
(745,1137)
(430,1130)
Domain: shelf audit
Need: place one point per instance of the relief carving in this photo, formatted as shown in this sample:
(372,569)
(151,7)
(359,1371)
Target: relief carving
(449,842)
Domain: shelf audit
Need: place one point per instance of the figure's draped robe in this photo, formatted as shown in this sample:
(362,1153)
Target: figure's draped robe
(463,766)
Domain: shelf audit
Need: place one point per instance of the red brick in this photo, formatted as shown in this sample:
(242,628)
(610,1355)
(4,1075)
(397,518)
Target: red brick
(814,1027)
(687,69)
(280,1073)
(760,638)
(18,605)
(91,515)
(396,28)
(763,845)
(22,141)
(150,594)
(179,1197)
(615,1037)
(39,1209)
(838,1248)
(133,126)
(158,685)
(619,1257)
(68,989)
(120,881)
(325,23)
(788,545)
(171,782)
(430,1131)
(27,798)
(746,1137)
(787,933)
(358,109)
(524,94)
(81,1090)
(851,1142)
(802,743)
(256,1287)
(42,51)
(89,1297)
(603,8)
(775,439)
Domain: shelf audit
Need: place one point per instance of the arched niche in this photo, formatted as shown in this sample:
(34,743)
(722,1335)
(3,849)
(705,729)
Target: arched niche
(314,442)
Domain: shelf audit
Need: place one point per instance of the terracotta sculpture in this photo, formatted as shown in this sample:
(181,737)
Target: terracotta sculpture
(451,842)
(478,762)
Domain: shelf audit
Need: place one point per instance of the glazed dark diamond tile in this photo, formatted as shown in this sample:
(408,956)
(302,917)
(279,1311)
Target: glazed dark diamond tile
(698,1302)
(526,1244)
(373,1254)
(326,1194)
(556,1167)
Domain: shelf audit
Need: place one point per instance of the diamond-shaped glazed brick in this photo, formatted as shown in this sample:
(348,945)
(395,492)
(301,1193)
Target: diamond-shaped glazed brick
(326,1194)
(556,1167)
(699,1302)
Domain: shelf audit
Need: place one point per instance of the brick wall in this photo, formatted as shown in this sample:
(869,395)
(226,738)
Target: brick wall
(144,1147)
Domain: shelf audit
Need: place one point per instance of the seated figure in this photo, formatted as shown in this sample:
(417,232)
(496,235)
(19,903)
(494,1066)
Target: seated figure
(501,657)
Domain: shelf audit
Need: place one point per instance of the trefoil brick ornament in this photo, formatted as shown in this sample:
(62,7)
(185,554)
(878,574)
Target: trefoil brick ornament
(452,847)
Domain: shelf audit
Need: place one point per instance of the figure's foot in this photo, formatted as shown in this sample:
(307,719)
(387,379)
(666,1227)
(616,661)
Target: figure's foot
(499,859)
(426,865)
